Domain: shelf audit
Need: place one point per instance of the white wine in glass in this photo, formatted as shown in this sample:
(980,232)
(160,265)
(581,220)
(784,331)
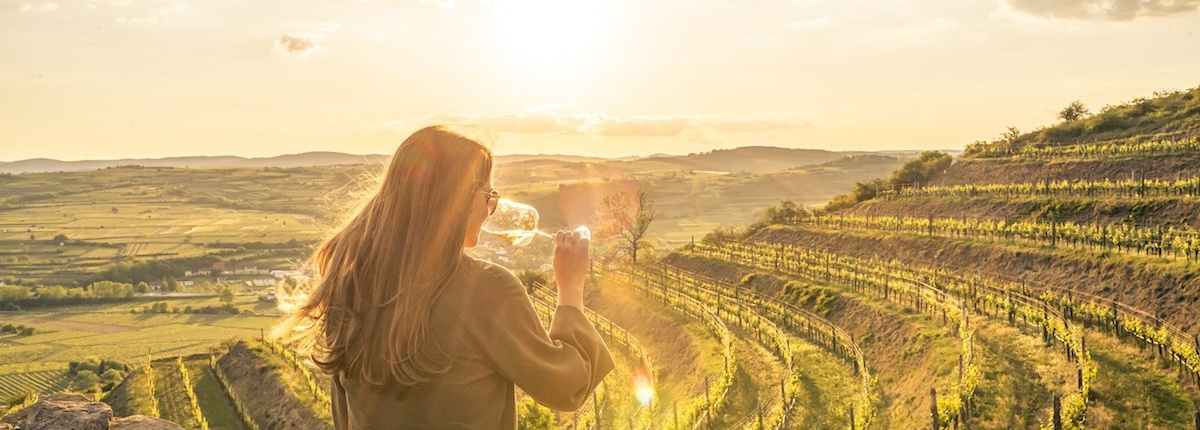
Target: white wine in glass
(517,223)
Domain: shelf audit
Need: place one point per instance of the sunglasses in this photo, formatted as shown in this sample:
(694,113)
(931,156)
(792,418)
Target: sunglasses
(492,200)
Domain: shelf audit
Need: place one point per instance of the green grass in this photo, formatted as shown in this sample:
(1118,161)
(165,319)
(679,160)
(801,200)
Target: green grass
(1132,391)
(218,408)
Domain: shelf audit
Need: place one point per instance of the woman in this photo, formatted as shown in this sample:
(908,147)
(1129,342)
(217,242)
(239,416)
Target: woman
(418,335)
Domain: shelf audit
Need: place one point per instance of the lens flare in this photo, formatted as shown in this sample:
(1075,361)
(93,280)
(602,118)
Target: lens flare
(643,387)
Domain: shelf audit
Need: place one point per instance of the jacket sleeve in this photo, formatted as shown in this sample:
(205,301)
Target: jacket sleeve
(559,368)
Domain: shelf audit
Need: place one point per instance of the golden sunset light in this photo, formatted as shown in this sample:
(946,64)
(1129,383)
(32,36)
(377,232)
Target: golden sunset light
(111,79)
(600,214)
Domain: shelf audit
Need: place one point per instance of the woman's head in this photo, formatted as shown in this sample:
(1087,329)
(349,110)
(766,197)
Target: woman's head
(380,272)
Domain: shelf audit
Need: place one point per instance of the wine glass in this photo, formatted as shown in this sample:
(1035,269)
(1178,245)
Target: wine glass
(517,223)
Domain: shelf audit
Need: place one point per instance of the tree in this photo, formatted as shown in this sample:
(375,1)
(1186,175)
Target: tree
(142,288)
(627,216)
(59,239)
(226,296)
(922,169)
(1010,136)
(1075,110)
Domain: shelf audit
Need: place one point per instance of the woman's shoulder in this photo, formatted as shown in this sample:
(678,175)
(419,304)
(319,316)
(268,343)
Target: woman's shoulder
(489,275)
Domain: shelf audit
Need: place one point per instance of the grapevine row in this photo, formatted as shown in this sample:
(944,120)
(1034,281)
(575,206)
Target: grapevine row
(32,382)
(777,341)
(190,391)
(1123,318)
(737,302)
(589,413)
(1117,148)
(976,290)
(243,413)
(701,413)
(153,412)
(1158,241)
(313,384)
(1119,319)
(1124,188)
(921,296)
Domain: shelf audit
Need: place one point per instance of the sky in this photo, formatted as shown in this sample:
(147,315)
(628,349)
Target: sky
(106,79)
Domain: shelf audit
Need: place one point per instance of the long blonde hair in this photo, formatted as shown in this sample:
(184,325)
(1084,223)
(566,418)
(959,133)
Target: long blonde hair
(379,274)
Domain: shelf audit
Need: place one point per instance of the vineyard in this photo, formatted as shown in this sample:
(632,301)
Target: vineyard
(46,381)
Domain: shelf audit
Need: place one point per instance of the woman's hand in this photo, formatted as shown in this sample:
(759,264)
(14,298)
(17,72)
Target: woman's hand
(572,254)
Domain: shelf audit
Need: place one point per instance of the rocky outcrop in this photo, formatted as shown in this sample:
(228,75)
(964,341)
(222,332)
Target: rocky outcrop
(73,411)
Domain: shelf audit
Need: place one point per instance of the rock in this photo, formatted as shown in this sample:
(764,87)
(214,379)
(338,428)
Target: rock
(73,411)
(142,422)
(62,411)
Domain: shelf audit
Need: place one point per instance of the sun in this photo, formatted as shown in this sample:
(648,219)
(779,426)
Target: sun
(551,34)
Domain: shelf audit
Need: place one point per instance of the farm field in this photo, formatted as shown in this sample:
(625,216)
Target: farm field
(63,228)
(114,332)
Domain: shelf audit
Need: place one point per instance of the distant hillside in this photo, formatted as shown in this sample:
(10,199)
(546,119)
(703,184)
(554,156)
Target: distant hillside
(294,160)
(306,159)
(1167,115)
(754,159)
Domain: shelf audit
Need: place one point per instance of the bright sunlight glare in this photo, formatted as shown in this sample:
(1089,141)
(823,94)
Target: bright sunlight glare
(551,34)
(643,388)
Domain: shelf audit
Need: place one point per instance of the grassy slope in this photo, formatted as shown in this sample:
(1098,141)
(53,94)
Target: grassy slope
(683,351)
(1166,113)
(1114,359)
(906,349)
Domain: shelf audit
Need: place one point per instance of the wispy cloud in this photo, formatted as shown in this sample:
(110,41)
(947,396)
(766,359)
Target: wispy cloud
(294,46)
(300,39)
(157,15)
(545,122)
(44,7)
(1115,10)
(445,4)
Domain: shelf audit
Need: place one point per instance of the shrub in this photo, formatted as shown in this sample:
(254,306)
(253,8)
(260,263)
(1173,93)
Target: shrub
(534,416)
(85,381)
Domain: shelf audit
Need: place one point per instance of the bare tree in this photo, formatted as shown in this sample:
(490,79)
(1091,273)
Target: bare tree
(627,216)
(1075,110)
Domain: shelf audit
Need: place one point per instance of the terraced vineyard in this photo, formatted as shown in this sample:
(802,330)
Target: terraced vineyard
(39,382)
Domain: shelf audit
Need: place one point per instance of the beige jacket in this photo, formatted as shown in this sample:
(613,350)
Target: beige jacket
(486,322)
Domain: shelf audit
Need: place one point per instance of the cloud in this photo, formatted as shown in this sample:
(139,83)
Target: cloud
(156,16)
(545,122)
(300,39)
(445,4)
(44,7)
(635,126)
(1115,10)
(294,46)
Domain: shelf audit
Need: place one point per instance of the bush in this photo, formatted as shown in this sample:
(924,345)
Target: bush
(85,381)
(533,416)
